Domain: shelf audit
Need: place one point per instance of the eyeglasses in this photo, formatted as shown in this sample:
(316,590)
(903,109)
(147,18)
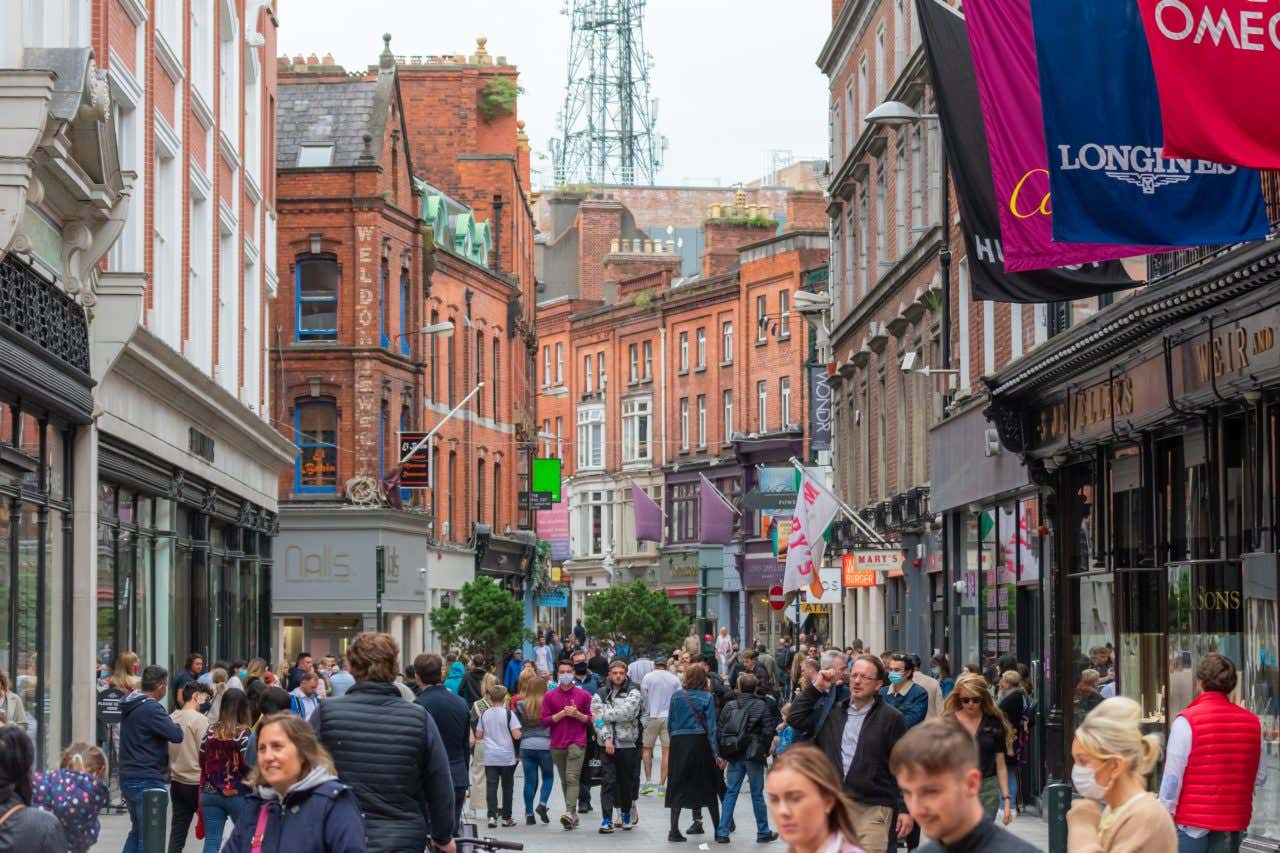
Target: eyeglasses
(970,700)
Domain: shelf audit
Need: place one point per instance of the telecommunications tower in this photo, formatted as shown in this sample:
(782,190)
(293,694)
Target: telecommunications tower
(607,133)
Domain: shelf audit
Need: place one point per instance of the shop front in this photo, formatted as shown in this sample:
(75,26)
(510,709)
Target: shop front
(1155,431)
(325,580)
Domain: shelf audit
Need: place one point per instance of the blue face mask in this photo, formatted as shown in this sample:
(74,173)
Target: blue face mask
(895,677)
(935,671)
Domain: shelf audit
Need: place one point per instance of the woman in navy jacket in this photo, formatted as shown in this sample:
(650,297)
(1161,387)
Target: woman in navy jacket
(694,779)
(297,805)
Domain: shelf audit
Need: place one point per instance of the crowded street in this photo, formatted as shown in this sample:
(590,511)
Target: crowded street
(566,425)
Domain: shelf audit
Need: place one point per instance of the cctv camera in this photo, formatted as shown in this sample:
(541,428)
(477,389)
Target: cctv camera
(808,302)
(908,362)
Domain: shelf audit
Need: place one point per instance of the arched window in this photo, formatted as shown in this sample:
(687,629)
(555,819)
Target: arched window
(315,424)
(316,299)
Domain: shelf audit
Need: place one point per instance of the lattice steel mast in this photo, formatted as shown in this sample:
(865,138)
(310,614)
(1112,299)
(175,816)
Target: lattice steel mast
(607,123)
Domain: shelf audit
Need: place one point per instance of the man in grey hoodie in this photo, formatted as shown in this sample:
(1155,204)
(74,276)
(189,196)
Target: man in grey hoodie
(617,711)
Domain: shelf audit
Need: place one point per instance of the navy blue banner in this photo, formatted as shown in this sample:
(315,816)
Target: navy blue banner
(1102,126)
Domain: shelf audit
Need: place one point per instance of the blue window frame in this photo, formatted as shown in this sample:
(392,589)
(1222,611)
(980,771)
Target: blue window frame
(315,291)
(382,442)
(404,312)
(382,305)
(315,431)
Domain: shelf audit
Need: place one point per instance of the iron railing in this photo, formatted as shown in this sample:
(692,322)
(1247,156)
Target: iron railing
(40,312)
(1168,263)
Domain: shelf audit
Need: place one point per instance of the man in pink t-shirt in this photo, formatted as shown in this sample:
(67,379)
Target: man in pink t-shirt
(566,710)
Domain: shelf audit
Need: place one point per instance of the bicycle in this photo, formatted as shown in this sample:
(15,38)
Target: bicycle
(468,842)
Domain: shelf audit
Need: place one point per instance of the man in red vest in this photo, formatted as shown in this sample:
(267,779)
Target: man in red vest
(1212,763)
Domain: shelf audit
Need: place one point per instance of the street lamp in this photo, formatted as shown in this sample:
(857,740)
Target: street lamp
(895,114)
(444,329)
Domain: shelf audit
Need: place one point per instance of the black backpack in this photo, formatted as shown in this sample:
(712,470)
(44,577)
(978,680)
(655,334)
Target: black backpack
(732,737)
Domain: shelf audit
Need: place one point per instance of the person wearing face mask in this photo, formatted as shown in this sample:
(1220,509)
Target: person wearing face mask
(1111,757)
(911,700)
(566,711)
(941,671)
(590,681)
(931,687)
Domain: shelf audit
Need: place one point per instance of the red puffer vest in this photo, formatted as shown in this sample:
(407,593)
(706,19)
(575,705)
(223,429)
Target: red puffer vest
(1217,786)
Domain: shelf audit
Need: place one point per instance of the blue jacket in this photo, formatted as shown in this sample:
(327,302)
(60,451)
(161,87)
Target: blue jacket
(913,705)
(590,682)
(456,671)
(512,676)
(681,720)
(145,734)
(318,814)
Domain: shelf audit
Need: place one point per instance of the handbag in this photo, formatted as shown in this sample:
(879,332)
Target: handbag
(592,763)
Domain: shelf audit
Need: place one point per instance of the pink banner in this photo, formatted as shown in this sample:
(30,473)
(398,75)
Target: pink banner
(1002,41)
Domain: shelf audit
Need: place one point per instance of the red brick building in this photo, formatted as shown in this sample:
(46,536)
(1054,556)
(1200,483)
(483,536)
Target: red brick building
(647,378)
(380,241)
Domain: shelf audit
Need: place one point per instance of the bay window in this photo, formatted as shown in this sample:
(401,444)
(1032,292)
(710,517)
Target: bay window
(636,425)
(591,437)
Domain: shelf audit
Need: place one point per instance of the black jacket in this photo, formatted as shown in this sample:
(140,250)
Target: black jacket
(391,753)
(145,734)
(472,688)
(29,829)
(451,716)
(986,837)
(761,720)
(868,781)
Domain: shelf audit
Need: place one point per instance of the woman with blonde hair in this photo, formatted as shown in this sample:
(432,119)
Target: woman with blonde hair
(808,804)
(535,745)
(970,702)
(123,673)
(218,677)
(1111,758)
(297,803)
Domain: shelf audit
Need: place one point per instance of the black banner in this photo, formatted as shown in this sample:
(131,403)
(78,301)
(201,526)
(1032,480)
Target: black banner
(946,47)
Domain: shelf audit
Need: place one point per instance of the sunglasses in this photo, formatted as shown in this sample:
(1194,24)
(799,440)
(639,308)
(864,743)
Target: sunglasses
(970,700)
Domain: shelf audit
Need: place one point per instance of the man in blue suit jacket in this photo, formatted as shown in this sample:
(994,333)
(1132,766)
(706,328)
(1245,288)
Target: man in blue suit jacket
(452,719)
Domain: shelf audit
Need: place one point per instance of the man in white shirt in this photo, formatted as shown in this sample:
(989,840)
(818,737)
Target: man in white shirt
(542,657)
(658,687)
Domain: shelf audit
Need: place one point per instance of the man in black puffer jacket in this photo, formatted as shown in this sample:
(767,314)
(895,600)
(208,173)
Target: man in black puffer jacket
(390,752)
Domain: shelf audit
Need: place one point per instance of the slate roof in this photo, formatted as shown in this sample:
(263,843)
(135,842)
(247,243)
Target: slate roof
(319,113)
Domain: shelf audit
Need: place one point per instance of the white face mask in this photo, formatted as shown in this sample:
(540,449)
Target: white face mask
(1086,783)
(565,679)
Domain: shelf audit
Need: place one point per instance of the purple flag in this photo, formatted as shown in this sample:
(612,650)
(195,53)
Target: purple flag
(1002,41)
(648,516)
(717,516)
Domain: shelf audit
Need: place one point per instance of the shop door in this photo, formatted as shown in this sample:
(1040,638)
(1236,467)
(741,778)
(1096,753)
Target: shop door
(1030,650)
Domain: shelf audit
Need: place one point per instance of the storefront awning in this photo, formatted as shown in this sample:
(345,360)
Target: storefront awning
(682,591)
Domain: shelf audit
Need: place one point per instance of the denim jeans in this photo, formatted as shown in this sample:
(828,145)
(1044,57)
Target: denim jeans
(216,810)
(131,790)
(537,761)
(1213,842)
(753,771)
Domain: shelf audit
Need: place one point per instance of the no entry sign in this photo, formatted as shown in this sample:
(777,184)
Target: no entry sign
(777,600)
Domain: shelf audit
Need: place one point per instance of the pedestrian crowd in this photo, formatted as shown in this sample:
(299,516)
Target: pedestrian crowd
(845,751)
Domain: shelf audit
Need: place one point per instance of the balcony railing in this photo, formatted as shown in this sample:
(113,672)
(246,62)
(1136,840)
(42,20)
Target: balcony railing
(39,311)
(1168,263)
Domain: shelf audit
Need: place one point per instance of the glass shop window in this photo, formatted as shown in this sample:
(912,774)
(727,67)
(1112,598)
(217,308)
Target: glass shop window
(1241,476)
(1142,644)
(1127,509)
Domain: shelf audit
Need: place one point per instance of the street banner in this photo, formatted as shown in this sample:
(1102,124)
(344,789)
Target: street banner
(955,88)
(815,508)
(1217,63)
(1108,179)
(820,412)
(715,515)
(1004,60)
(648,516)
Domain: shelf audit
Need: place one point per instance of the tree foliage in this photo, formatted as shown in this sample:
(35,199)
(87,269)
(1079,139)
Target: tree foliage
(489,620)
(637,614)
(498,98)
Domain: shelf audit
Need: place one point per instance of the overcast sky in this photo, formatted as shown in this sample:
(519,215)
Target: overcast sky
(733,78)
